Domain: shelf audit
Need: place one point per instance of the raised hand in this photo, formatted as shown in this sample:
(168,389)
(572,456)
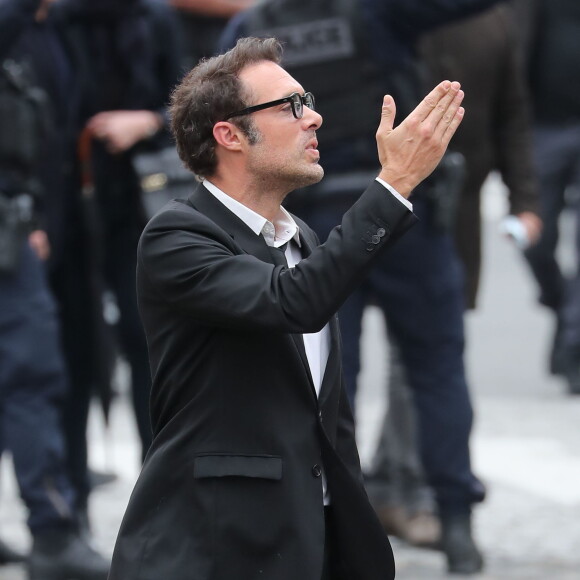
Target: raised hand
(410,152)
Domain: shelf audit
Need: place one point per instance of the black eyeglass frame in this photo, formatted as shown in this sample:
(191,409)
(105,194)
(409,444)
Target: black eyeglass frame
(296,100)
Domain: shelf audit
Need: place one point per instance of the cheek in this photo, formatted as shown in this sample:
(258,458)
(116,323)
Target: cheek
(281,145)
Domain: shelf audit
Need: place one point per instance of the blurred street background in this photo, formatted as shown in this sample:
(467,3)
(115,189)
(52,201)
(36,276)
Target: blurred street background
(526,441)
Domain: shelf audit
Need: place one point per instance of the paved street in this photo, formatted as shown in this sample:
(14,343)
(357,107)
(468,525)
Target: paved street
(526,443)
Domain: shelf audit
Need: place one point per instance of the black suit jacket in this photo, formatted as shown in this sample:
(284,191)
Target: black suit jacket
(231,488)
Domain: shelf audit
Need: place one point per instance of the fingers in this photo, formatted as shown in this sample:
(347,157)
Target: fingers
(385,129)
(452,126)
(430,102)
(438,112)
(445,108)
(447,122)
(387,115)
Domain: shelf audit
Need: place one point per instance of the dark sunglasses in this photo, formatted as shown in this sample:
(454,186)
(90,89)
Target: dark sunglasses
(296,100)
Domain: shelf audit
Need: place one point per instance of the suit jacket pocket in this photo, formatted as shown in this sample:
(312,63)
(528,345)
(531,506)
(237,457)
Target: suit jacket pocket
(224,465)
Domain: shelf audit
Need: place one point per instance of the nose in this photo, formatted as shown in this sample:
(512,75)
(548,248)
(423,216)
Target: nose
(311,119)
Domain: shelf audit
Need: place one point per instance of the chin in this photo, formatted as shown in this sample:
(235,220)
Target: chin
(304,176)
(320,173)
(314,175)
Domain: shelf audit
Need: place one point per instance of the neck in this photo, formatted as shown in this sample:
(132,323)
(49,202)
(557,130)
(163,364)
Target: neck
(262,198)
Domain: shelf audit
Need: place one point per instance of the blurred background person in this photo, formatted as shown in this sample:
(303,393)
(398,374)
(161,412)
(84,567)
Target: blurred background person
(201,24)
(72,265)
(33,379)
(395,478)
(349,54)
(484,53)
(124,56)
(553,59)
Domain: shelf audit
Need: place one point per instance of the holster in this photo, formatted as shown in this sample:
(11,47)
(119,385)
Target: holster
(15,223)
(443,190)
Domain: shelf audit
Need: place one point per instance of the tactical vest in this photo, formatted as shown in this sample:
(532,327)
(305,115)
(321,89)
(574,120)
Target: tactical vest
(22,127)
(24,119)
(327,51)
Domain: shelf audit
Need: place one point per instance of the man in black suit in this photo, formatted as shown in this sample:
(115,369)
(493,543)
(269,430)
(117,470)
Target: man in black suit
(254,472)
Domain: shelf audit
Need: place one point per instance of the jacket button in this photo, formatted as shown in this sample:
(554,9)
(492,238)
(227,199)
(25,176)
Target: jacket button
(376,239)
(317,470)
(370,247)
(381,232)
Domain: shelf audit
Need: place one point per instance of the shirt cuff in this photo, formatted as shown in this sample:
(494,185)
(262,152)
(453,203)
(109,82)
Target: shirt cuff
(402,199)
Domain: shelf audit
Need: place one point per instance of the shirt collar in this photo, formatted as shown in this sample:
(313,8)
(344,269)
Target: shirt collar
(276,234)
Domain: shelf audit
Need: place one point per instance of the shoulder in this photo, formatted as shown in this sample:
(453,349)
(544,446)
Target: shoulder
(178,223)
(179,214)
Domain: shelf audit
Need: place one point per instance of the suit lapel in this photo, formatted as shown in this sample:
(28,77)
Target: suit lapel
(306,246)
(333,365)
(202,200)
(331,374)
(307,243)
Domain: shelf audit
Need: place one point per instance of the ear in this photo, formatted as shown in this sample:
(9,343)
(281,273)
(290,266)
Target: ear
(228,136)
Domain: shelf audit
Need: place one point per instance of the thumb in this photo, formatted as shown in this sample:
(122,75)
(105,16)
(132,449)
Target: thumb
(387,114)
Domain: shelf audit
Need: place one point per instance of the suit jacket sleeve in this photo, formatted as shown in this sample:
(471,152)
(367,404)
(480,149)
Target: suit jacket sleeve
(193,264)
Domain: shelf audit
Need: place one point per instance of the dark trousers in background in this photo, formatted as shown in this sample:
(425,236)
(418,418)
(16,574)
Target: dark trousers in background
(122,217)
(557,162)
(32,386)
(419,286)
(120,266)
(396,476)
(90,344)
(101,255)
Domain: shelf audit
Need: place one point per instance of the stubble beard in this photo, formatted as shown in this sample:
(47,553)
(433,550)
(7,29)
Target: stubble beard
(308,176)
(286,175)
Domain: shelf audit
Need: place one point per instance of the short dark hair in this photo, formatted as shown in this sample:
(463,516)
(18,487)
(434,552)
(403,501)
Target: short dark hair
(207,94)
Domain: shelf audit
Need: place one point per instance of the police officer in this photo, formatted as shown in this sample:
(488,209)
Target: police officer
(32,374)
(349,53)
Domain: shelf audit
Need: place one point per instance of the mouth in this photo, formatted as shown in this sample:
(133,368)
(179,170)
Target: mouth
(312,148)
(312,144)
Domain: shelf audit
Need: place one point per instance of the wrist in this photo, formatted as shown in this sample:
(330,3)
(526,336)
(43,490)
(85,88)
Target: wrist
(401,183)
